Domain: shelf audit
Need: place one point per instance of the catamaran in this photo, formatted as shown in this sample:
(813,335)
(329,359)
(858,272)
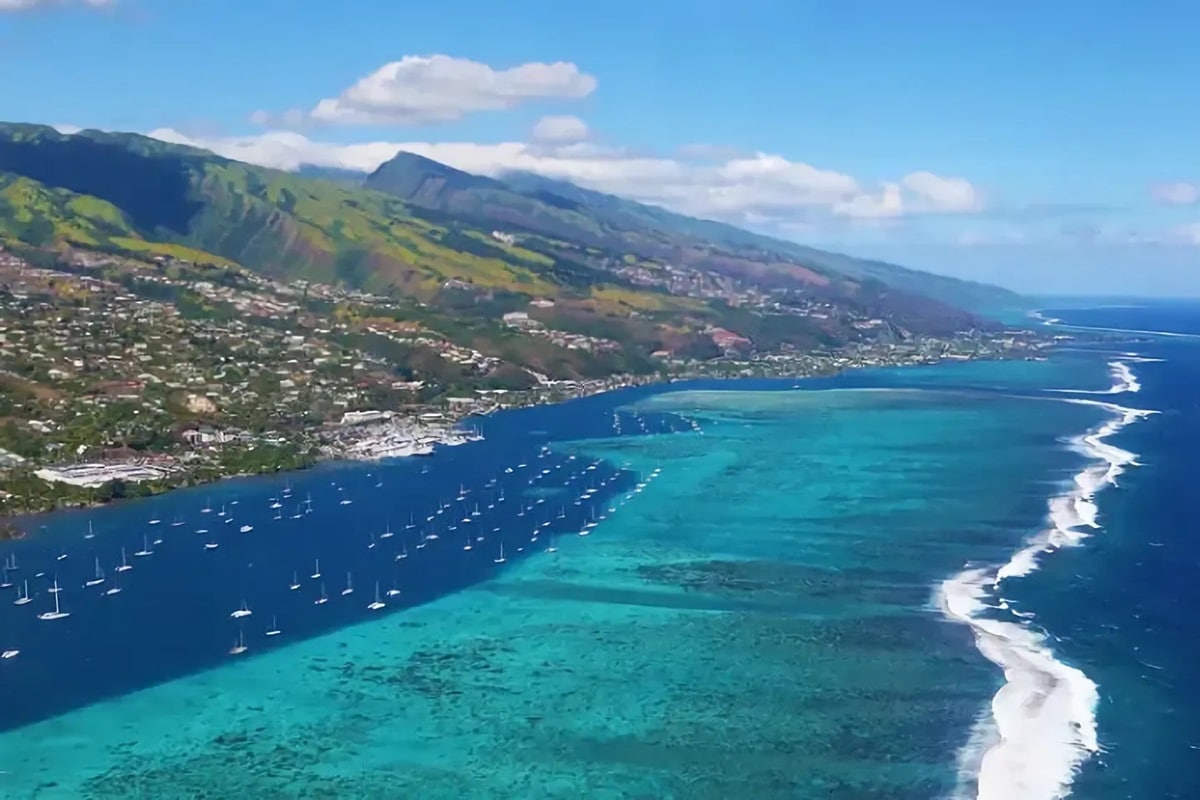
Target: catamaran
(99,576)
(375,604)
(57,613)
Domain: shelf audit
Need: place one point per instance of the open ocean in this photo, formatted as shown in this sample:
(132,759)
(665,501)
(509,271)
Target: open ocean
(967,580)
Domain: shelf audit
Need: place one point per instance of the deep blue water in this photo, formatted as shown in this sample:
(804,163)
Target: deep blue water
(1126,604)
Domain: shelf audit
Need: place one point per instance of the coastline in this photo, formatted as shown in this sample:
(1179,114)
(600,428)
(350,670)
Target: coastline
(1040,726)
(453,425)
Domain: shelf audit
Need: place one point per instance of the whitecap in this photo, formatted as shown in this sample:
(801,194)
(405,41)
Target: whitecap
(1041,725)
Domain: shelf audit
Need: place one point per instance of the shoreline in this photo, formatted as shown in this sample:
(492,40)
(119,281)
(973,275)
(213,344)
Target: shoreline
(1040,726)
(454,426)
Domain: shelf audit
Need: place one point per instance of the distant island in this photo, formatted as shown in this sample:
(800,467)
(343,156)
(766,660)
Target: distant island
(169,317)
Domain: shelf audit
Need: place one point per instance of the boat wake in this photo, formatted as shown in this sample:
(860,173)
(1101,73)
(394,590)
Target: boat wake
(1041,725)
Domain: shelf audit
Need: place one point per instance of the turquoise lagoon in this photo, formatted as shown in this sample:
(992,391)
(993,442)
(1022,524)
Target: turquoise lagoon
(759,621)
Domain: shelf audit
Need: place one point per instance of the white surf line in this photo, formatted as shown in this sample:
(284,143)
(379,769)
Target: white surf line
(1123,378)
(1041,725)
(1058,323)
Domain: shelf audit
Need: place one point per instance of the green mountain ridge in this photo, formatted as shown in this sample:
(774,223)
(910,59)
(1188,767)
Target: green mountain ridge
(434,248)
(552,207)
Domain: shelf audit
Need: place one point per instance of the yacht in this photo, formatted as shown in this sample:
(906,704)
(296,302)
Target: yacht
(275,504)
(244,611)
(349,586)
(62,556)
(155,521)
(98,578)
(239,646)
(274,629)
(23,597)
(500,559)
(323,599)
(375,604)
(295,584)
(7,654)
(211,545)
(145,551)
(345,501)
(112,590)
(124,565)
(57,613)
(393,592)
(201,531)
(246,528)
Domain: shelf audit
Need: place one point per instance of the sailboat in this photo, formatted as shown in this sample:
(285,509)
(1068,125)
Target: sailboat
(411,523)
(375,604)
(112,590)
(323,598)
(155,521)
(475,513)
(371,546)
(207,507)
(239,646)
(387,533)
(246,528)
(295,584)
(394,591)
(403,551)
(178,522)
(349,586)
(23,596)
(244,611)
(500,558)
(99,577)
(125,566)
(468,545)
(275,503)
(274,629)
(551,548)
(57,613)
(91,534)
(145,551)
(221,513)
(378,481)
(5,583)
(316,569)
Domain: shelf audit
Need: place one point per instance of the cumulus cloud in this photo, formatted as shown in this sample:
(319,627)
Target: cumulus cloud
(25,5)
(419,90)
(1188,234)
(1178,193)
(757,189)
(560,129)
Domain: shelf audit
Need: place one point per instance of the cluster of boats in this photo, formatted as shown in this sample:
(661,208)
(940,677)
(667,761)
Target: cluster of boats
(464,520)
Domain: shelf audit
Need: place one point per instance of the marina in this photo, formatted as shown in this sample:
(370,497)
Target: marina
(419,528)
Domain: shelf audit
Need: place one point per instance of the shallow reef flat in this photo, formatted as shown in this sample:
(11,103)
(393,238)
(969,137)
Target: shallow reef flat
(754,623)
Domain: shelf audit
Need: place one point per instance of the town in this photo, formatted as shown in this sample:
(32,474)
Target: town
(121,377)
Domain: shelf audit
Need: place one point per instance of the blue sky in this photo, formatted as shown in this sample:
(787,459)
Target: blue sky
(1053,144)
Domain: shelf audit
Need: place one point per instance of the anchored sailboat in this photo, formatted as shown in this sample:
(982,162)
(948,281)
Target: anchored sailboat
(376,604)
(57,613)
(99,577)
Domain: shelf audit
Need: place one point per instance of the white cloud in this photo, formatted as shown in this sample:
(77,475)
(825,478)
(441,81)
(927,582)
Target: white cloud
(25,5)
(1178,193)
(1188,234)
(761,189)
(418,90)
(560,129)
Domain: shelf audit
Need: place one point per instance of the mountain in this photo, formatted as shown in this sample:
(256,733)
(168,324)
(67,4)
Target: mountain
(557,209)
(458,251)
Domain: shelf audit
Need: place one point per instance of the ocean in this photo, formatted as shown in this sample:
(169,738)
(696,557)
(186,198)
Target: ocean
(957,581)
